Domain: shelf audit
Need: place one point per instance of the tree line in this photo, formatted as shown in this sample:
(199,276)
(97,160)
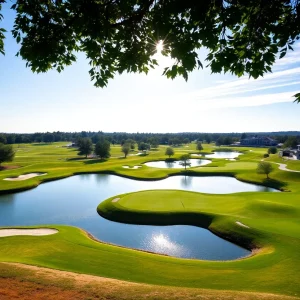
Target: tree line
(154,139)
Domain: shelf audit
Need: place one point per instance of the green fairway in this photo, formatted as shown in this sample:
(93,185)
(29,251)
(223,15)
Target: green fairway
(272,218)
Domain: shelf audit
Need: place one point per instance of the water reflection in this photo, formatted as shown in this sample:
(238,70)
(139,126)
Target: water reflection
(220,154)
(186,181)
(176,164)
(100,179)
(161,243)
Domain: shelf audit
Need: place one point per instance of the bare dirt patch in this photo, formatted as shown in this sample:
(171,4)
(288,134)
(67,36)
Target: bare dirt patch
(3,168)
(115,200)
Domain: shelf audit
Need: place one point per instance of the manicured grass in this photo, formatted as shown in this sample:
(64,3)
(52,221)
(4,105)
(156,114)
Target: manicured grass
(58,162)
(273,219)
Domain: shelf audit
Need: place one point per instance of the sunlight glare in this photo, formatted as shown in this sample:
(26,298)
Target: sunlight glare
(162,242)
(159,46)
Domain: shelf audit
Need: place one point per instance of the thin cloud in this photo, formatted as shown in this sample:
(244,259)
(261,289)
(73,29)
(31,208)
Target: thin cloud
(275,87)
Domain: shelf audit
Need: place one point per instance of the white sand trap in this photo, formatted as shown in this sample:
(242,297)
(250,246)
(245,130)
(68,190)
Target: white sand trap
(36,232)
(24,177)
(115,200)
(241,224)
(284,168)
(132,168)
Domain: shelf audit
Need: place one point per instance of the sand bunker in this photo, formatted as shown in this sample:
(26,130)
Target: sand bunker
(241,224)
(283,167)
(24,177)
(36,232)
(133,168)
(115,200)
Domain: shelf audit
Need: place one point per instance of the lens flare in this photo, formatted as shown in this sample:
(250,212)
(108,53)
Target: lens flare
(159,46)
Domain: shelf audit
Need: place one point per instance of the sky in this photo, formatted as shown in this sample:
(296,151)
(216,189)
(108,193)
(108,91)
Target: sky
(68,101)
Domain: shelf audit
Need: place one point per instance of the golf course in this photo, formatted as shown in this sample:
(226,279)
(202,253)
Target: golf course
(265,222)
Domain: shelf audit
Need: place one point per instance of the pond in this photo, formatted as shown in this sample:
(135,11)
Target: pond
(220,154)
(74,200)
(176,164)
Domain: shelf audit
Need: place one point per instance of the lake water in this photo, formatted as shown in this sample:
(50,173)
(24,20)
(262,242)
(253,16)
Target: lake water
(74,200)
(176,164)
(229,155)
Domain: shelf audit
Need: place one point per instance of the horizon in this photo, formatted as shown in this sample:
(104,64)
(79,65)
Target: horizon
(180,132)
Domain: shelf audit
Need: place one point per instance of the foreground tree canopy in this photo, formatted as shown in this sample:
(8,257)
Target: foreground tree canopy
(242,36)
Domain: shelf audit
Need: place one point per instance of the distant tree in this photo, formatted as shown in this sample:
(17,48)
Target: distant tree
(131,142)
(126,149)
(291,142)
(272,150)
(83,134)
(19,139)
(95,138)
(169,151)
(154,142)
(37,137)
(186,141)
(6,153)
(48,137)
(79,141)
(264,167)
(85,146)
(176,141)
(10,139)
(3,139)
(102,148)
(143,146)
(57,136)
(219,141)
(185,160)
(199,146)
(243,136)
(207,138)
(227,140)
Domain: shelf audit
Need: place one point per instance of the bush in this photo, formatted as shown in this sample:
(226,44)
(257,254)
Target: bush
(266,155)
(272,150)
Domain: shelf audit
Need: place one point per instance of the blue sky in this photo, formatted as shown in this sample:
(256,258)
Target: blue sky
(68,101)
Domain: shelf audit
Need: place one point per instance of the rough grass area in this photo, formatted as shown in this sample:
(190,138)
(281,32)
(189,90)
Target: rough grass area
(28,282)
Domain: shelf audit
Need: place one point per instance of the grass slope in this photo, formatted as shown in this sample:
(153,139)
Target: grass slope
(26,282)
(72,250)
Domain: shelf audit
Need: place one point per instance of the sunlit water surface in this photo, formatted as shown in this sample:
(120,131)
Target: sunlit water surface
(73,201)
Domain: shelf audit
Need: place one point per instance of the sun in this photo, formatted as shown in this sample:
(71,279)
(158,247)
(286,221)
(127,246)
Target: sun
(159,46)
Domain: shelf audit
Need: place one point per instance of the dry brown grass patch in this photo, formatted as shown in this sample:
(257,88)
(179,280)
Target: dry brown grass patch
(29,282)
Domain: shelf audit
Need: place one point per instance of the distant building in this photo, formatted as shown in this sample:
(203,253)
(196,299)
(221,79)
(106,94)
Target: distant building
(258,141)
(290,153)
